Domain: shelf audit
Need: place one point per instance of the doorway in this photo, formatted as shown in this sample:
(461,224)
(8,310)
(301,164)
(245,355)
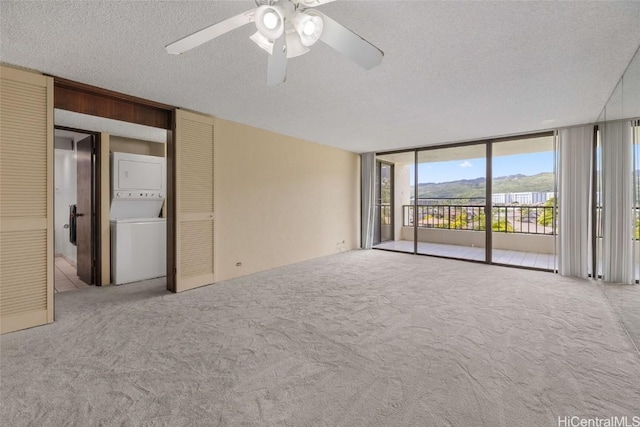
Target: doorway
(76,238)
(111,206)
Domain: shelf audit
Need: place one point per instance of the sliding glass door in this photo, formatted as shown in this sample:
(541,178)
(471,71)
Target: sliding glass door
(450,202)
(383,231)
(490,201)
(394,181)
(523,214)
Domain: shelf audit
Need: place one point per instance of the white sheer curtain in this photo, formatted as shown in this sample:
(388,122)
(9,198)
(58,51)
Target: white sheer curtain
(575,152)
(368,179)
(617,203)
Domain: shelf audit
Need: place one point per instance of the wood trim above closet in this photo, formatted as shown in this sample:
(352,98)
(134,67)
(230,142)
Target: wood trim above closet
(86,99)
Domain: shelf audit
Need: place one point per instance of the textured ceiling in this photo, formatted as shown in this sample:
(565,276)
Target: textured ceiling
(452,71)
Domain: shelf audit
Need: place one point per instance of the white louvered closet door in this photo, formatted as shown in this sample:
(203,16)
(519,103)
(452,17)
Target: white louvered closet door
(194,200)
(26,199)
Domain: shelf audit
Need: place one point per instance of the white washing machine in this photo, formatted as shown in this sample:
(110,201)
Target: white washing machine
(138,249)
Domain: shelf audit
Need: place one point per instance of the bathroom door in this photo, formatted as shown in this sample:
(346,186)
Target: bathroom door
(86,214)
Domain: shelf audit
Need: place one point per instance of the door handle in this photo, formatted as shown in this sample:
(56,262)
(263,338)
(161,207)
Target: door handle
(79,214)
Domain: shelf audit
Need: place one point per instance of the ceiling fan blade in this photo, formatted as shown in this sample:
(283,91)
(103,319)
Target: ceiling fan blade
(349,43)
(211,32)
(312,3)
(277,62)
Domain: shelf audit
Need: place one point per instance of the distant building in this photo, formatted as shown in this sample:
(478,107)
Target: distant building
(521,198)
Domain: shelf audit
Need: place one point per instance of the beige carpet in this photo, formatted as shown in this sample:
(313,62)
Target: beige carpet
(365,338)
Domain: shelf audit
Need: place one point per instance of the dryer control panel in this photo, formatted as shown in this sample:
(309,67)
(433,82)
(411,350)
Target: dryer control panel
(142,195)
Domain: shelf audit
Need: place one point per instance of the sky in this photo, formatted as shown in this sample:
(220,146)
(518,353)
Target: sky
(525,164)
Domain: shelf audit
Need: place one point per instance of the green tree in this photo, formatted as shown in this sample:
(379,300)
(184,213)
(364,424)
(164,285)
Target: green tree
(502,225)
(548,215)
(385,190)
(498,224)
(460,221)
(481,221)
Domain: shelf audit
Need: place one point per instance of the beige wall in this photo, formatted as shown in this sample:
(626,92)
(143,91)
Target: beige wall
(120,144)
(280,200)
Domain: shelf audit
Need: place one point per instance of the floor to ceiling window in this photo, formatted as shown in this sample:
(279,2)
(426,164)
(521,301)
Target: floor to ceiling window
(394,181)
(450,201)
(437,201)
(383,231)
(523,218)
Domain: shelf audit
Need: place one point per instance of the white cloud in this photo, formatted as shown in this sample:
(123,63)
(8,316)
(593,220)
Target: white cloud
(465,164)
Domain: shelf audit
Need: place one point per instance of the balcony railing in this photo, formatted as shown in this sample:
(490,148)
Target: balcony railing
(526,219)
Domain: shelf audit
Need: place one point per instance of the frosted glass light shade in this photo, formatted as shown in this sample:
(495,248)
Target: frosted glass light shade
(308,27)
(270,21)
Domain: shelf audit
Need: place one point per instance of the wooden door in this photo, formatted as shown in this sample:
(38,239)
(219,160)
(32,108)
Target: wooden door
(86,212)
(26,199)
(193,198)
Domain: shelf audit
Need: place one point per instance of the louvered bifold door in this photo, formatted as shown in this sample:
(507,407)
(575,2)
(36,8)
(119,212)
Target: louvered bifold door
(26,199)
(194,200)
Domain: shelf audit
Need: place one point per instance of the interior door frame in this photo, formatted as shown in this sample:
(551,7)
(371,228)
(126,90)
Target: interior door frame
(86,99)
(172,268)
(96,213)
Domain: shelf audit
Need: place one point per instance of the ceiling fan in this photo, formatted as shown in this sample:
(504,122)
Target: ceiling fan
(286,29)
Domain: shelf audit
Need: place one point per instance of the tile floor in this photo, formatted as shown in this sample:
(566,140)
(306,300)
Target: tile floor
(66,278)
(500,256)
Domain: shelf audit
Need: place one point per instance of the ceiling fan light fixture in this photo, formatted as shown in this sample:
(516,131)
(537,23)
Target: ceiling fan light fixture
(286,29)
(270,21)
(294,45)
(308,26)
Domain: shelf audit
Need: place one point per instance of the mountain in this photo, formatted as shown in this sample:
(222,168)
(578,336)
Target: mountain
(466,188)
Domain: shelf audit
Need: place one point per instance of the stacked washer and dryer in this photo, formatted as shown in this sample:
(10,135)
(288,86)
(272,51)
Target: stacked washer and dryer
(138,234)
